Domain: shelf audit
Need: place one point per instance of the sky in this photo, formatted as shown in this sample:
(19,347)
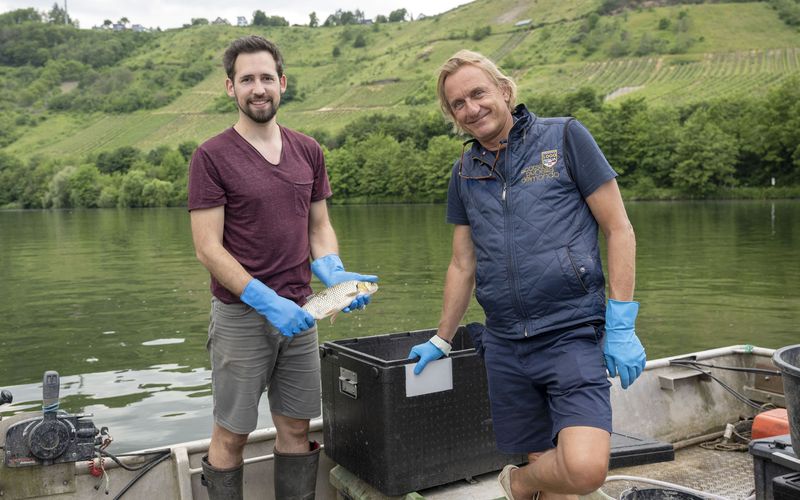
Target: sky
(175,13)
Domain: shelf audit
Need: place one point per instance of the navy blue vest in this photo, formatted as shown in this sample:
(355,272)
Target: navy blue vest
(538,260)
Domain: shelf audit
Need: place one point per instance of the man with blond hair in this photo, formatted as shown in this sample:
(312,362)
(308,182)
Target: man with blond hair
(526,197)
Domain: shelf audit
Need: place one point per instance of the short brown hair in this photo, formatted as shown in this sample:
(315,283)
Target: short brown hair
(463,58)
(248,45)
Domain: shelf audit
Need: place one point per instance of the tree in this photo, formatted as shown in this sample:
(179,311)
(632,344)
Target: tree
(398,15)
(108,23)
(313,20)
(344,17)
(84,187)
(259,18)
(186,149)
(199,21)
(131,189)
(435,173)
(118,160)
(481,33)
(20,16)
(124,21)
(705,155)
(57,15)
(380,18)
(360,41)
(156,193)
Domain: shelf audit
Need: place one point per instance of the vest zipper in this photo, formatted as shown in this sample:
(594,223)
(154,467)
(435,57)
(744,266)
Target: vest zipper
(512,261)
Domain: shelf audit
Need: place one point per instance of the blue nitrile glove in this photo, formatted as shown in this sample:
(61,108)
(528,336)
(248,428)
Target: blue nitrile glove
(431,350)
(330,271)
(623,352)
(285,315)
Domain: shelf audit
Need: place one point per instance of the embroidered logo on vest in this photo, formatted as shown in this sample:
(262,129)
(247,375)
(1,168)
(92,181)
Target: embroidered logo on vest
(550,158)
(544,170)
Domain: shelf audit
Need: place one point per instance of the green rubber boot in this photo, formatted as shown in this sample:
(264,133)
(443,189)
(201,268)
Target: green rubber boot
(222,484)
(296,474)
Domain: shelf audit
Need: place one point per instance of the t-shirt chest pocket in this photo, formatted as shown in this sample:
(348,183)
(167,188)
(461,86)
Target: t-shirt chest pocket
(302,197)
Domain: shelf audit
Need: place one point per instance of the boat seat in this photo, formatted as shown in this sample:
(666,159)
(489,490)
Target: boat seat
(627,450)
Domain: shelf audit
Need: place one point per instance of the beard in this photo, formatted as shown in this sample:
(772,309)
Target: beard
(259,115)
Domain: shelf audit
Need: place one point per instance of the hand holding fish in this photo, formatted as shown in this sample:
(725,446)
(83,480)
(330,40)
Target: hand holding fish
(337,298)
(330,271)
(284,314)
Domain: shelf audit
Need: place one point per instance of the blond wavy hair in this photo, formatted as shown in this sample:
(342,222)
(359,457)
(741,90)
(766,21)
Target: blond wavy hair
(468,57)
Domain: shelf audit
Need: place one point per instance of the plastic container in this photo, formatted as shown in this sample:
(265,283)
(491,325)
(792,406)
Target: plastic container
(768,463)
(401,444)
(787,359)
(657,494)
(770,423)
(786,487)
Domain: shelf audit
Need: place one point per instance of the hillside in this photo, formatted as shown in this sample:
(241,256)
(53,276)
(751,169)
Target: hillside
(672,54)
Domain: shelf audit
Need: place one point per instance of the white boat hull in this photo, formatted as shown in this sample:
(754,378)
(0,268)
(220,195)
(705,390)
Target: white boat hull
(667,403)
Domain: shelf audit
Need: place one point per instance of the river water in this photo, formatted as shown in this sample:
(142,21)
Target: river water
(115,301)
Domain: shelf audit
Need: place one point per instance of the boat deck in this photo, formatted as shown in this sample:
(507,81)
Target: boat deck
(727,474)
(724,473)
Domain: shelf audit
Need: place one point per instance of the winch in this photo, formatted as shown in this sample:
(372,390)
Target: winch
(54,437)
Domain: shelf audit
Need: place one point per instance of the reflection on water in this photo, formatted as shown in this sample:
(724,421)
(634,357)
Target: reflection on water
(115,301)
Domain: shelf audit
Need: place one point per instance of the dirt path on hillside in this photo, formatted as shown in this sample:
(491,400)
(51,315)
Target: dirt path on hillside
(511,15)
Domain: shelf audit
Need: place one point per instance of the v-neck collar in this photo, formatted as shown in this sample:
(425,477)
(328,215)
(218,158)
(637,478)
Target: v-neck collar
(257,152)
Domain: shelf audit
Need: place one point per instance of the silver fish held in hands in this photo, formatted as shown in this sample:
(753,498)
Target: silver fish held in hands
(330,301)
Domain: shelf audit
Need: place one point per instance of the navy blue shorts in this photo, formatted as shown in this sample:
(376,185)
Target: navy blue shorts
(540,385)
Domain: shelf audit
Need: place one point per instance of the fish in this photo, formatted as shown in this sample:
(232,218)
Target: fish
(331,301)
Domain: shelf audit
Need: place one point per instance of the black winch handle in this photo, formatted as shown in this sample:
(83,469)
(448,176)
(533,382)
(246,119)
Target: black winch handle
(50,386)
(6,397)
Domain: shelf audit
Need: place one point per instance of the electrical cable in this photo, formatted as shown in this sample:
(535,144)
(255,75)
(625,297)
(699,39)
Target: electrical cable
(141,473)
(762,371)
(737,395)
(159,454)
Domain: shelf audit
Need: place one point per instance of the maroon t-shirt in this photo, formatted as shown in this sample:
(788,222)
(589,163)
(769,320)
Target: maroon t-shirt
(266,206)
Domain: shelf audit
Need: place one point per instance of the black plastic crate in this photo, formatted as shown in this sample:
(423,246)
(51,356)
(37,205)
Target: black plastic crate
(401,444)
(786,487)
(628,450)
(768,463)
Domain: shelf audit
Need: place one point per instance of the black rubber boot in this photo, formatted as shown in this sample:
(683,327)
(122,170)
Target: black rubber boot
(296,474)
(222,484)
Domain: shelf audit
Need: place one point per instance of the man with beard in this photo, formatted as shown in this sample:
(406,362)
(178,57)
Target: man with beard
(257,201)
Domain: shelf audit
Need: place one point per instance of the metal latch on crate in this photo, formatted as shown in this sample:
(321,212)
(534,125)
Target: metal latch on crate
(348,382)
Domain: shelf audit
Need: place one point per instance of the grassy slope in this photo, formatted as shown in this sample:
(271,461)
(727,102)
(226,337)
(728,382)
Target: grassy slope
(745,48)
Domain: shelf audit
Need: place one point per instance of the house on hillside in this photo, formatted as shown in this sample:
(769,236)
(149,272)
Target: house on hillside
(220,21)
(241,21)
(138,28)
(118,27)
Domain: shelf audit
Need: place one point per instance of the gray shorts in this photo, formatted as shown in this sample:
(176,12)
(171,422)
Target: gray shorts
(249,355)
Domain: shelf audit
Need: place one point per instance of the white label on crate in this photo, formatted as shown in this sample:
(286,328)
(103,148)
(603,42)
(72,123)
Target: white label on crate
(436,377)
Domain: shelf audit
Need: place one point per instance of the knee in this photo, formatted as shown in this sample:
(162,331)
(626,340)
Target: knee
(292,434)
(586,474)
(295,429)
(231,442)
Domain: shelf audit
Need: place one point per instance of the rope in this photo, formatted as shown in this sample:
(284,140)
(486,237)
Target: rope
(733,439)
